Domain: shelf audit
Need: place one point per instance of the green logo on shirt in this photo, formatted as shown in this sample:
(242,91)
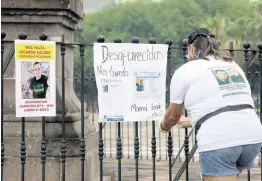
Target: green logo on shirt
(38,88)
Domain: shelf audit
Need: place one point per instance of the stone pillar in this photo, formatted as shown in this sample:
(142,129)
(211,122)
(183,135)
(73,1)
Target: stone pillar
(54,17)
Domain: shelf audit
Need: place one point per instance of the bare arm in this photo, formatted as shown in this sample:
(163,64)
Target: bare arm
(31,93)
(47,81)
(172,116)
(178,88)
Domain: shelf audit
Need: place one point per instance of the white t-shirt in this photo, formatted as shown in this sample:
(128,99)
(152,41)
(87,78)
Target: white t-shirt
(205,86)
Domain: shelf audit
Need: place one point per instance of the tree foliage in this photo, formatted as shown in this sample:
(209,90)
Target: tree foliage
(237,20)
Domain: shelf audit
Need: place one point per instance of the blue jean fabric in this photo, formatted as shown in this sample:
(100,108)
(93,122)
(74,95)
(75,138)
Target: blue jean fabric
(224,162)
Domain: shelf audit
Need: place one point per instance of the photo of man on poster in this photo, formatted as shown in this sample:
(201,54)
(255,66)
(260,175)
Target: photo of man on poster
(39,83)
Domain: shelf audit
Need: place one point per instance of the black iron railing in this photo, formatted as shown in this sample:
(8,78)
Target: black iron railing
(172,152)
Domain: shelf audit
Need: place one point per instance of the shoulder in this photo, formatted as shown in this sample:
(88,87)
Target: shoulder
(33,79)
(236,65)
(44,77)
(192,67)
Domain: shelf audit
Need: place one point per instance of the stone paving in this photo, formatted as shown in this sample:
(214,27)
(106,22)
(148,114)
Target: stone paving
(145,171)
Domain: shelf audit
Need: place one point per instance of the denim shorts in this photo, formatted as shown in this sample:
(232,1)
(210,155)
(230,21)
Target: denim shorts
(224,162)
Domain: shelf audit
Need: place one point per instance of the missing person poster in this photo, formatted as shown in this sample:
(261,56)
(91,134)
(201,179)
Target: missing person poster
(131,81)
(35,78)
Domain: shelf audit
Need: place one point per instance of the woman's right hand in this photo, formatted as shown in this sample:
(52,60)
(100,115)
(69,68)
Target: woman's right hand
(185,122)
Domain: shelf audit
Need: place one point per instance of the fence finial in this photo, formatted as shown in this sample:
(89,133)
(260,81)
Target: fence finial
(184,42)
(169,41)
(43,36)
(100,39)
(135,39)
(260,46)
(3,35)
(22,35)
(246,45)
(117,40)
(152,40)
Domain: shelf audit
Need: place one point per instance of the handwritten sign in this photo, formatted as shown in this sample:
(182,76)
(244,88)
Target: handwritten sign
(35,78)
(131,81)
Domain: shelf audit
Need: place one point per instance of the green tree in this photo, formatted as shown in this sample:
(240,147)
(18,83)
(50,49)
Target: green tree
(229,20)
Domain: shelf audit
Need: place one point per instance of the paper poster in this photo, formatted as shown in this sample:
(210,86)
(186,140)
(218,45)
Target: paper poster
(231,81)
(35,78)
(131,81)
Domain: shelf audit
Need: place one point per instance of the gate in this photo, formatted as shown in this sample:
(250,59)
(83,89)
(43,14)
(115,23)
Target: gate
(167,148)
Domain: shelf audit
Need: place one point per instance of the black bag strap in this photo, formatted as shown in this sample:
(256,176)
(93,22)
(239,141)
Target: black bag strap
(221,110)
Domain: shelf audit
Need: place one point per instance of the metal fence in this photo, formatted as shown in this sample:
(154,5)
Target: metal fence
(138,140)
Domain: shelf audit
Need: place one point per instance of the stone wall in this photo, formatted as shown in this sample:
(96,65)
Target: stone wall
(54,17)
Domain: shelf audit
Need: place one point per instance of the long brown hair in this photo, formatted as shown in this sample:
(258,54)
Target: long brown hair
(206,45)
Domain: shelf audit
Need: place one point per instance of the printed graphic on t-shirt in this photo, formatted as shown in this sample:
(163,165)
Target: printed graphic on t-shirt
(230,81)
(228,76)
(39,87)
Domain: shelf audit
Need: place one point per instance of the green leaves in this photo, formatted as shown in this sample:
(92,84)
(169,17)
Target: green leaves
(237,20)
